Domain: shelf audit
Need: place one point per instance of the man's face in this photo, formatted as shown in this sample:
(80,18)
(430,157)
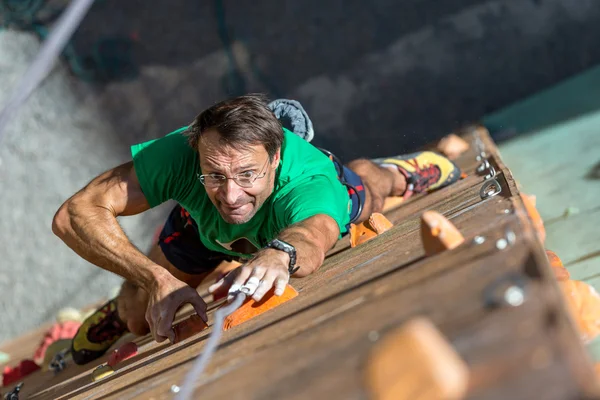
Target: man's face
(236,204)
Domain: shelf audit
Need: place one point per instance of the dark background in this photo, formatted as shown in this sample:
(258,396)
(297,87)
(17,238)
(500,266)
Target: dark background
(466,58)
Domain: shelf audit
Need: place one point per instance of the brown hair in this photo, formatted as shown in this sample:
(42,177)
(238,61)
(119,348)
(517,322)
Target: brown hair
(243,120)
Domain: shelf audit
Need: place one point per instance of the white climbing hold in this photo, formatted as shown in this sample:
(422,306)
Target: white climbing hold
(373,336)
(69,314)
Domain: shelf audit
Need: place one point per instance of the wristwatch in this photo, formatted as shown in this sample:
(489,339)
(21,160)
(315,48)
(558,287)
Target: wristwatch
(288,248)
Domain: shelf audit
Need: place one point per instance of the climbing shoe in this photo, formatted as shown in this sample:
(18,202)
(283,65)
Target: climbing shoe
(97,334)
(424,171)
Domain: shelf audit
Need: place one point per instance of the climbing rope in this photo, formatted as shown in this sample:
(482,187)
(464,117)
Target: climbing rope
(201,362)
(109,59)
(45,59)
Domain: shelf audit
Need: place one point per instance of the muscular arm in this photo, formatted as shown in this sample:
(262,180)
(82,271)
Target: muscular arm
(87,223)
(312,238)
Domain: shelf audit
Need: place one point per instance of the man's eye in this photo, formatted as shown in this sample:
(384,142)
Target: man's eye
(246,175)
(214,177)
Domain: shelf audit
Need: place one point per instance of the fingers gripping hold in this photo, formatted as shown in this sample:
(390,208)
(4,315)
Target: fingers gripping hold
(250,287)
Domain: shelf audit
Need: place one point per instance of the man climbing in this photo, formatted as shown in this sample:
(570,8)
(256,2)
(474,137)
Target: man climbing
(246,189)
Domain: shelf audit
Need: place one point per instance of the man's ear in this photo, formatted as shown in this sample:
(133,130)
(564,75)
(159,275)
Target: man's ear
(276,159)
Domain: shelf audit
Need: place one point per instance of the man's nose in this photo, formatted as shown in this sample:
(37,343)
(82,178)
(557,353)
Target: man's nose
(231,191)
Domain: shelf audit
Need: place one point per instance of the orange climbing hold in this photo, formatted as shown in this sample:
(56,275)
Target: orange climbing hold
(583,303)
(251,308)
(452,146)
(538,224)
(416,362)
(367,230)
(560,272)
(188,328)
(392,202)
(438,233)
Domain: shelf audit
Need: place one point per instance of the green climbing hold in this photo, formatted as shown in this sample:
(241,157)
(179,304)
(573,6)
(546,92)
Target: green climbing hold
(571,211)
(4,358)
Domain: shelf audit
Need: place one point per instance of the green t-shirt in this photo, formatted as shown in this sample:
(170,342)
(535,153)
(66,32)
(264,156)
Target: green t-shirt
(306,184)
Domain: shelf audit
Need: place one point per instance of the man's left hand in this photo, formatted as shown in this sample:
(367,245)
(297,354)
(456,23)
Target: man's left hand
(267,269)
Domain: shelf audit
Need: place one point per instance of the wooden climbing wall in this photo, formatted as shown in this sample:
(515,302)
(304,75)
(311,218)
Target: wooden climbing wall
(318,344)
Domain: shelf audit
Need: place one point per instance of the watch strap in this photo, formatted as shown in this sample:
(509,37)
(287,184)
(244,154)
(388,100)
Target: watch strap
(289,249)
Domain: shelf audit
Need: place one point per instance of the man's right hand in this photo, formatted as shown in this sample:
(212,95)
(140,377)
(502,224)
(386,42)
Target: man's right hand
(165,298)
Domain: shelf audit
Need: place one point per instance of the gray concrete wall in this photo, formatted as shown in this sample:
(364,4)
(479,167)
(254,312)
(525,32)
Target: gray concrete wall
(377,77)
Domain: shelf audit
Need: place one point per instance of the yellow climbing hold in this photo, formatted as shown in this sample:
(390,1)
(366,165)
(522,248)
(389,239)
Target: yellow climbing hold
(102,372)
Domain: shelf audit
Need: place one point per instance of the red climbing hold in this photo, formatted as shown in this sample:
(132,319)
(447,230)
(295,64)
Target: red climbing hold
(12,375)
(123,353)
(60,330)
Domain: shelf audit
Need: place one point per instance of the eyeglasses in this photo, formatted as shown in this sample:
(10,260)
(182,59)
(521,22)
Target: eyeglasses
(244,179)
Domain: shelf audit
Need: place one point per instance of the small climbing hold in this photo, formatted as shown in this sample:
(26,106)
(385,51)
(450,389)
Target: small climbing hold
(392,202)
(583,303)
(560,272)
(416,362)
(102,371)
(63,330)
(538,224)
(124,352)
(13,374)
(452,146)
(55,348)
(4,358)
(85,314)
(571,211)
(367,230)
(438,234)
(252,308)
(188,328)
(69,314)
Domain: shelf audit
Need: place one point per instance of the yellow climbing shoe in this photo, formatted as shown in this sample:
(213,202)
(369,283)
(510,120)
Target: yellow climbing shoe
(97,334)
(424,171)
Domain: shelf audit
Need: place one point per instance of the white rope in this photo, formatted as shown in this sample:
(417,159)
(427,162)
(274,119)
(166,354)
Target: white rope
(201,362)
(45,59)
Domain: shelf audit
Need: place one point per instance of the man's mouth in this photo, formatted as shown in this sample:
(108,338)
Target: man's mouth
(235,209)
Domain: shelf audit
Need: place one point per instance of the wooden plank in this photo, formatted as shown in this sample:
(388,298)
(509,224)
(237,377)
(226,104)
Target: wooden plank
(353,273)
(311,310)
(498,211)
(349,269)
(332,343)
(410,226)
(489,215)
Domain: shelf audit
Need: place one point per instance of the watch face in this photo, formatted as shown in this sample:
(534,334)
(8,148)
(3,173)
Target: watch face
(282,245)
